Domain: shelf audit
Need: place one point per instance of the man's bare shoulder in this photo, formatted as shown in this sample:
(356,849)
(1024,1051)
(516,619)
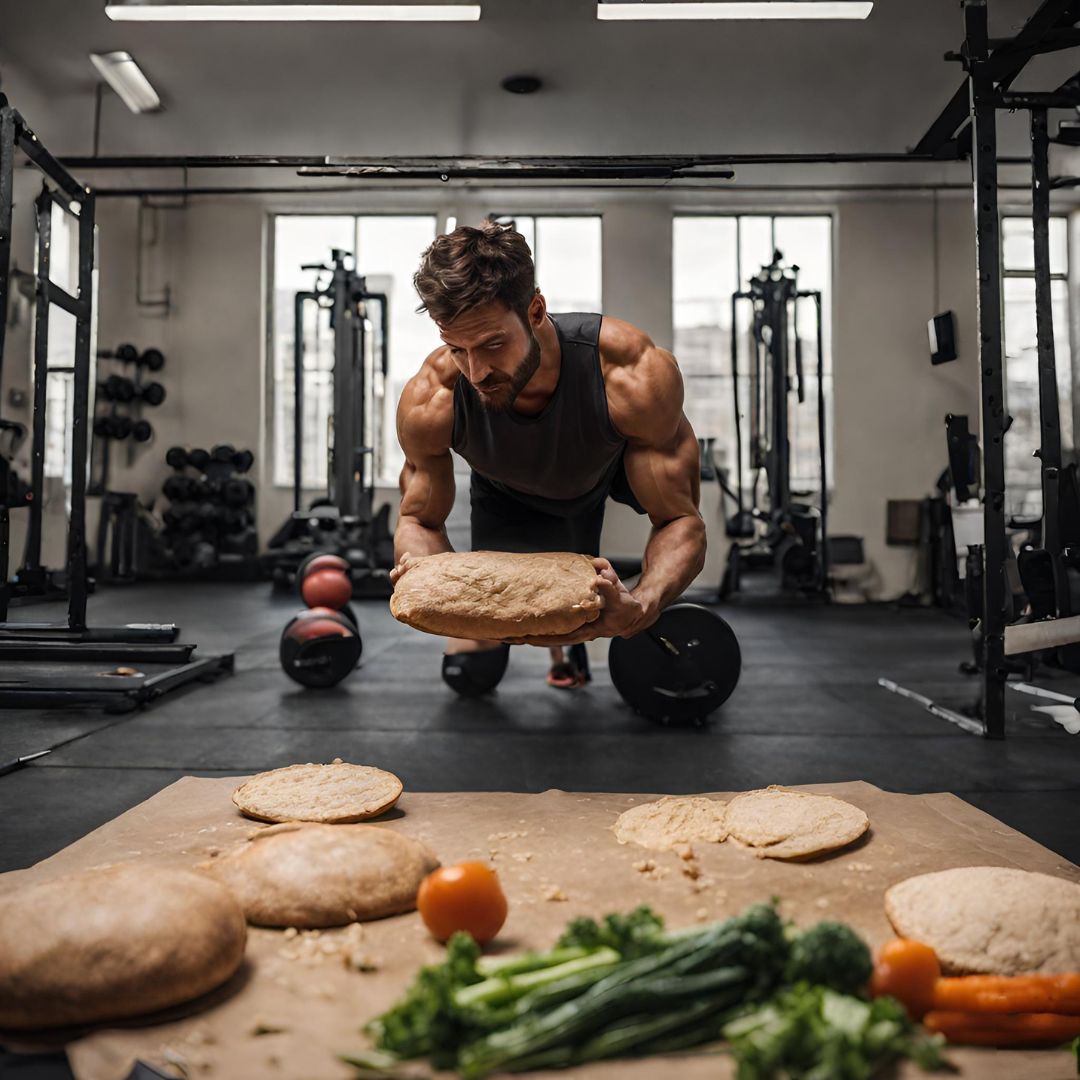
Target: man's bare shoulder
(425,416)
(644,386)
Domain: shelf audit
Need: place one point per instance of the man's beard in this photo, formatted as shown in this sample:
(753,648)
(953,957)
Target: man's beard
(504,392)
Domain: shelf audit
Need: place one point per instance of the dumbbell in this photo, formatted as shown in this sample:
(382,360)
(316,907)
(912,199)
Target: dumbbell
(141,431)
(198,459)
(119,388)
(223,454)
(181,517)
(176,457)
(153,359)
(235,520)
(113,427)
(238,492)
(243,460)
(320,648)
(180,488)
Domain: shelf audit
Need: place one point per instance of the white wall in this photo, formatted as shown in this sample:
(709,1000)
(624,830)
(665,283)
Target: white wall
(889,402)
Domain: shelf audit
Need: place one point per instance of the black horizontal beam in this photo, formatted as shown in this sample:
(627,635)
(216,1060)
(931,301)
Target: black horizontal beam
(1057,99)
(403,168)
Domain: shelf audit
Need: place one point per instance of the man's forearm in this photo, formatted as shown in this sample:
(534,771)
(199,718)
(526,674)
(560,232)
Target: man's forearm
(414,537)
(674,556)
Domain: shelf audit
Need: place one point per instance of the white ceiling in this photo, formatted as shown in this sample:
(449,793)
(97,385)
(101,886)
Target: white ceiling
(432,89)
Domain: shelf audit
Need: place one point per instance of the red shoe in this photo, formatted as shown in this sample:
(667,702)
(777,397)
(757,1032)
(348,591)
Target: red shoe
(565,677)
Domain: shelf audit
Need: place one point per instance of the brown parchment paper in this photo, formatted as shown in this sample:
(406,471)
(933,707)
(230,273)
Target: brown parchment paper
(557,858)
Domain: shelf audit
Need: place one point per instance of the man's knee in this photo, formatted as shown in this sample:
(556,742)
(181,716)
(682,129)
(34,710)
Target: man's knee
(473,673)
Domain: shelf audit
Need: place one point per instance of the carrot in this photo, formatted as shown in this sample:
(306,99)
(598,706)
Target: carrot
(1009,994)
(1015,1029)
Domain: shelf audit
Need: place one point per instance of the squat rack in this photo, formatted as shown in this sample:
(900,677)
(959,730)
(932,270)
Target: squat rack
(968,125)
(73,641)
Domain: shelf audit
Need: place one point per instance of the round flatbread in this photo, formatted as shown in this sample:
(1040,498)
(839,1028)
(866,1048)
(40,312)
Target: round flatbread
(991,920)
(497,594)
(307,875)
(780,824)
(113,943)
(672,821)
(332,794)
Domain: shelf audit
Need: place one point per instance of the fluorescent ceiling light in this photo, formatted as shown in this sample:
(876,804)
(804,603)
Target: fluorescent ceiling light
(195,12)
(121,72)
(738,9)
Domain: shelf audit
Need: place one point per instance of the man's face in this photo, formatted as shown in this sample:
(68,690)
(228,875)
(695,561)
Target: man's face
(495,351)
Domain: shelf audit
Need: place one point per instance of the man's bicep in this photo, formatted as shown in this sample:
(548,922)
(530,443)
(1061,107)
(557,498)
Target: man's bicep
(665,474)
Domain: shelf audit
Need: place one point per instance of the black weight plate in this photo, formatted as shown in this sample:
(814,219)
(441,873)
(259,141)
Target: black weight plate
(682,668)
(322,660)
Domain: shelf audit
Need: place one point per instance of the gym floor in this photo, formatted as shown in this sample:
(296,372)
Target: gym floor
(807,710)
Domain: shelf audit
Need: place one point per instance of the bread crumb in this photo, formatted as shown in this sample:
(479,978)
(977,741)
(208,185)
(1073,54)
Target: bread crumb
(555,894)
(291,932)
(644,866)
(522,856)
(701,914)
(821,902)
(358,960)
(267,1027)
(860,867)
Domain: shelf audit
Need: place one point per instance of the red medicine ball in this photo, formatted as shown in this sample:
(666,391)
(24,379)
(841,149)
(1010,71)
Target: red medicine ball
(326,588)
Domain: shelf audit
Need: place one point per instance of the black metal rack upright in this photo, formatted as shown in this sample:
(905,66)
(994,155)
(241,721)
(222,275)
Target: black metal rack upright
(968,124)
(57,644)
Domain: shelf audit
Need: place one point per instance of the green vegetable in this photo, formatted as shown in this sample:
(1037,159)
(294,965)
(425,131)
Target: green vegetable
(625,986)
(427,1022)
(830,954)
(640,932)
(1076,1051)
(814,1033)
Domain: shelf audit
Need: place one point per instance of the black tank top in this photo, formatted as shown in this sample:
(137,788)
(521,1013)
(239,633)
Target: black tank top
(564,459)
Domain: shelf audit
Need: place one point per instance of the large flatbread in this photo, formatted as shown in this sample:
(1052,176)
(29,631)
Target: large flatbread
(991,920)
(112,943)
(673,821)
(334,794)
(779,824)
(307,875)
(496,594)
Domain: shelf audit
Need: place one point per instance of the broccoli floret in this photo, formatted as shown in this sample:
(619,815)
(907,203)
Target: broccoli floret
(830,954)
(639,932)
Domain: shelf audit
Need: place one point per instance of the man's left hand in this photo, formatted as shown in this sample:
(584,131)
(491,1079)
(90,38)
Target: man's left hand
(621,613)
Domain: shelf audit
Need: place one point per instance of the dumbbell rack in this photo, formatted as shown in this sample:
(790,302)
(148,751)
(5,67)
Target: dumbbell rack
(209,526)
(134,392)
(52,652)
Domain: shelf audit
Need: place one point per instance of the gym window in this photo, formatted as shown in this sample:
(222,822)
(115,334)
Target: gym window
(60,381)
(387,250)
(566,253)
(712,258)
(1023,491)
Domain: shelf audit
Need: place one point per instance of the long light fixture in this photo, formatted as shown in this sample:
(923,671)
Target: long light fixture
(244,12)
(737,9)
(121,72)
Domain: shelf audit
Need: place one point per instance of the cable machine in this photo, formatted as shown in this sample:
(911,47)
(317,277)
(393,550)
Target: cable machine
(777,535)
(343,520)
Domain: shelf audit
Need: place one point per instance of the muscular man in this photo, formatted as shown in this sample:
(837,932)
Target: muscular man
(554,413)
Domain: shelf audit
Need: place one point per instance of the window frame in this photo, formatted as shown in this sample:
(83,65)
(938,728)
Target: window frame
(828,311)
(1066,331)
(438,214)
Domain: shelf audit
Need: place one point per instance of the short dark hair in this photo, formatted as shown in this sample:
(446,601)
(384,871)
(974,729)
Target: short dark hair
(469,267)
